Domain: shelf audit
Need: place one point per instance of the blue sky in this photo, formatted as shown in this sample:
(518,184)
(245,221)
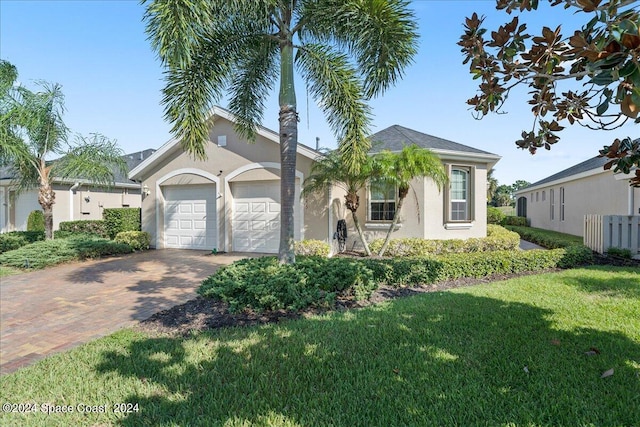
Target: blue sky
(112,81)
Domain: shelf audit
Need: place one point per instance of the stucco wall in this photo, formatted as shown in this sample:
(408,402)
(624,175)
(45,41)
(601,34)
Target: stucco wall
(99,199)
(222,165)
(598,194)
(422,214)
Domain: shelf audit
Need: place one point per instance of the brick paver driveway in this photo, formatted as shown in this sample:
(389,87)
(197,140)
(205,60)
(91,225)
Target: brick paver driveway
(52,310)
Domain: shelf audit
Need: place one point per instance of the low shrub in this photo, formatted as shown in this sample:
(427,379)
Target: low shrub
(35,221)
(547,238)
(494,215)
(515,220)
(61,234)
(17,239)
(87,226)
(498,238)
(138,240)
(263,284)
(51,252)
(312,248)
(620,253)
(118,220)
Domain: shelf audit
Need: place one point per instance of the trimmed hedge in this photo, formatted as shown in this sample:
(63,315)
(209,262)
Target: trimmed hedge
(118,220)
(312,247)
(547,238)
(494,215)
(263,284)
(17,239)
(87,226)
(515,220)
(498,238)
(35,221)
(138,240)
(51,252)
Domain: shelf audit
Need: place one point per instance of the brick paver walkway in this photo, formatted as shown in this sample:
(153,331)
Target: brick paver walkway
(55,309)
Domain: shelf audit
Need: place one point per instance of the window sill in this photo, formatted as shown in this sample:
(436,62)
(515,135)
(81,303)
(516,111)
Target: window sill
(458,225)
(380,225)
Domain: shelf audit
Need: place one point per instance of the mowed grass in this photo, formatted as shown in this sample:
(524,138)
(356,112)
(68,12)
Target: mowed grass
(8,271)
(446,358)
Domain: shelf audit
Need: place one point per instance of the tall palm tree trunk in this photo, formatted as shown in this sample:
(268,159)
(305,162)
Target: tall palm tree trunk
(288,118)
(394,223)
(46,198)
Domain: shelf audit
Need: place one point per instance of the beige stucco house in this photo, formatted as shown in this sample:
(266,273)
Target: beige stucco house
(76,199)
(231,201)
(561,201)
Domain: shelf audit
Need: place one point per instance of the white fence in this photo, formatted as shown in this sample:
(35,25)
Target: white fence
(602,232)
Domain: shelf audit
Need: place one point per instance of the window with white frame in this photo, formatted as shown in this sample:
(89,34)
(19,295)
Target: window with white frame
(459,195)
(552,205)
(382,202)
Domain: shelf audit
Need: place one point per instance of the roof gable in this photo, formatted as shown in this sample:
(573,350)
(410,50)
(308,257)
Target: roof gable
(395,137)
(174,144)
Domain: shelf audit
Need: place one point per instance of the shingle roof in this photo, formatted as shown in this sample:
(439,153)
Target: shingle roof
(395,137)
(587,165)
(132,160)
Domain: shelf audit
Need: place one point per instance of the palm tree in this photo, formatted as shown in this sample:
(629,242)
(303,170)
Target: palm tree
(32,130)
(329,171)
(399,169)
(347,51)
(492,185)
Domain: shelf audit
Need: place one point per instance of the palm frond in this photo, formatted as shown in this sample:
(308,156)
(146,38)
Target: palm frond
(380,34)
(255,75)
(95,158)
(335,84)
(413,161)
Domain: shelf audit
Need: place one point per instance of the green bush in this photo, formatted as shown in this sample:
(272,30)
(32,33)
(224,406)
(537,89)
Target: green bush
(51,252)
(118,220)
(515,220)
(547,238)
(498,238)
(494,215)
(35,221)
(312,248)
(263,284)
(83,227)
(620,253)
(138,240)
(17,239)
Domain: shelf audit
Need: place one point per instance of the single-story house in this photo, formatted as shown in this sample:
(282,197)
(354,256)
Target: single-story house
(76,199)
(561,201)
(231,201)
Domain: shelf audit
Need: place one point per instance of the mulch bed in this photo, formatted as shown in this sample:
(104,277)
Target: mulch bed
(201,314)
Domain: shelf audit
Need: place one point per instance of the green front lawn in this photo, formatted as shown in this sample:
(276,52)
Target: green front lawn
(506,353)
(7,271)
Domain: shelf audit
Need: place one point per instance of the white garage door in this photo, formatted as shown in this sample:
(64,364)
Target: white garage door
(256,216)
(190,217)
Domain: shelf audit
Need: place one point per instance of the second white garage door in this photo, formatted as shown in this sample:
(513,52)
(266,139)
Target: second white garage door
(256,216)
(190,217)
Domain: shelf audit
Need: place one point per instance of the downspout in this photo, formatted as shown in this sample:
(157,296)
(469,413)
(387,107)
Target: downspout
(73,188)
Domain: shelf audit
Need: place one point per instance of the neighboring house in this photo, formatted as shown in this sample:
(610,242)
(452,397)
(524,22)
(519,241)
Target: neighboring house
(561,201)
(76,199)
(231,201)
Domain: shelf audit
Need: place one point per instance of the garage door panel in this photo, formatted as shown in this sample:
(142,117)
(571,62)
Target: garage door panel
(190,217)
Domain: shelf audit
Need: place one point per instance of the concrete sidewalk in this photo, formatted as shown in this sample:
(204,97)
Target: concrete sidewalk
(52,310)
(527,246)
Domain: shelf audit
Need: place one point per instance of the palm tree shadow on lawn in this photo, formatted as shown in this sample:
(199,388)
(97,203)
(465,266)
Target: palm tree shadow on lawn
(441,358)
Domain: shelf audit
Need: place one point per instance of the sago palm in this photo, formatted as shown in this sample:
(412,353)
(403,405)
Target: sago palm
(399,169)
(345,50)
(32,131)
(330,171)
